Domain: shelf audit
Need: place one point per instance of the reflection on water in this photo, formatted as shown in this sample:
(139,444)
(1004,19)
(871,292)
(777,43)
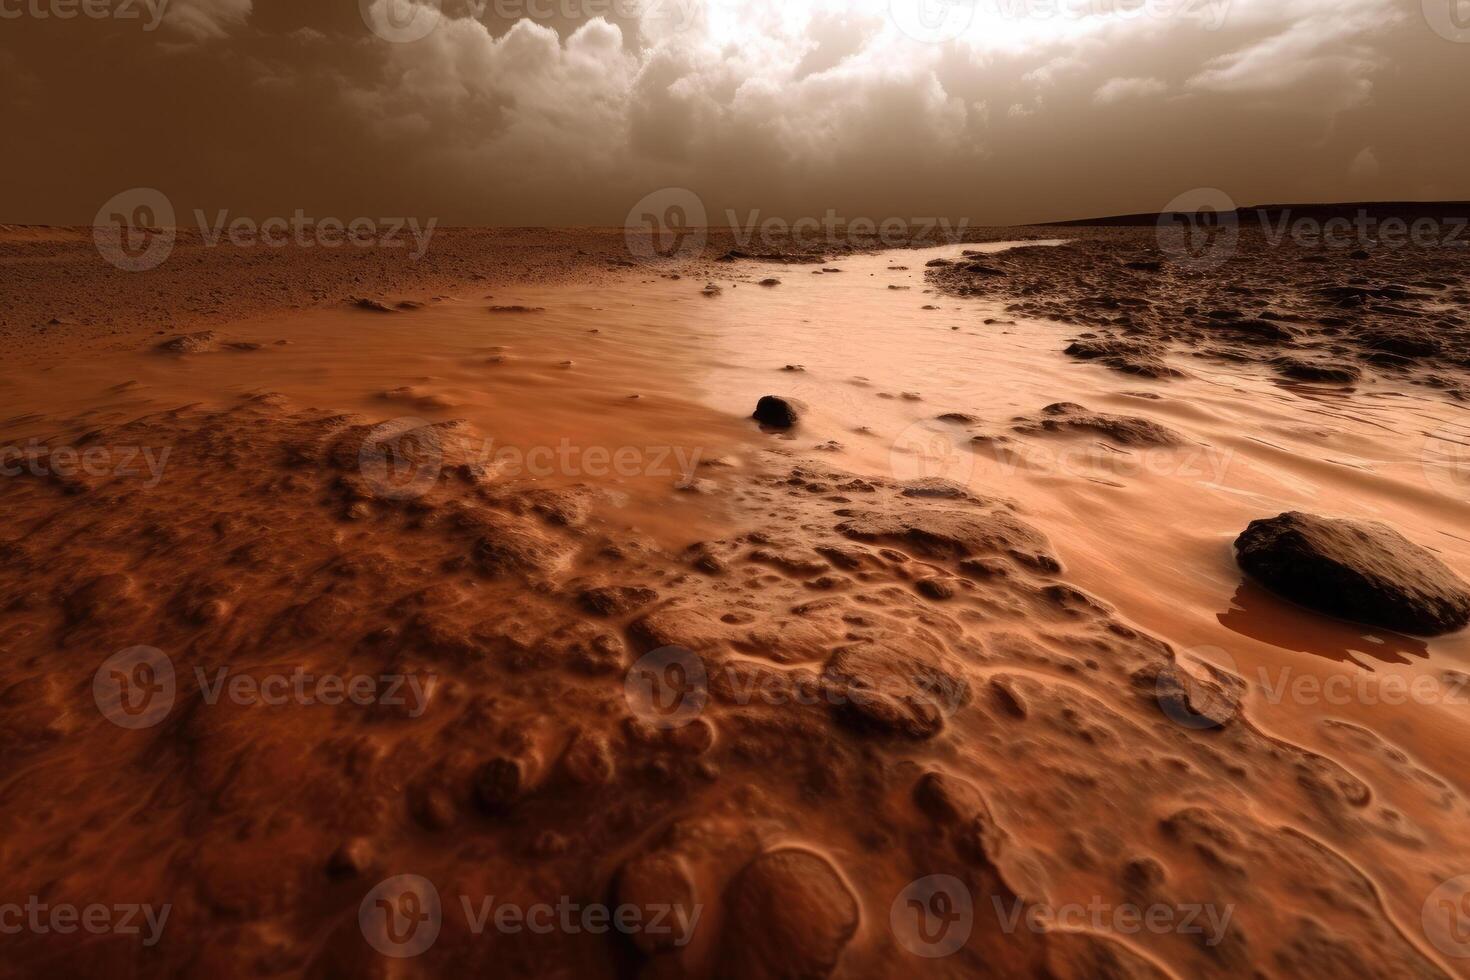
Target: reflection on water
(1261,616)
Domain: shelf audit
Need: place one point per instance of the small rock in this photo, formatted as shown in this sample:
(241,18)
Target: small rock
(351,859)
(935,588)
(778,412)
(616,600)
(499,784)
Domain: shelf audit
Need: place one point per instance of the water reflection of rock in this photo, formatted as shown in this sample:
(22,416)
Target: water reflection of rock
(1258,614)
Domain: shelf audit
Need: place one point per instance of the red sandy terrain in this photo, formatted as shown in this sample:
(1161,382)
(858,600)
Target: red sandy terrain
(305,658)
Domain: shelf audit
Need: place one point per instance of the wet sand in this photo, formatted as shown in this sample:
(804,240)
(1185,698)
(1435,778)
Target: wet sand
(962,652)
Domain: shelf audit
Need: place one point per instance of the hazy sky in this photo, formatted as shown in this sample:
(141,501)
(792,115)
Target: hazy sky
(569,111)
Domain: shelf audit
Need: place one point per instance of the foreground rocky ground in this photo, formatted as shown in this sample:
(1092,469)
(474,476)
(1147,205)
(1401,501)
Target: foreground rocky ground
(900,684)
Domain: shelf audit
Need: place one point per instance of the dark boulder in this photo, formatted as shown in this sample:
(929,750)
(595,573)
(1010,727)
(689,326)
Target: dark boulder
(1358,570)
(777,412)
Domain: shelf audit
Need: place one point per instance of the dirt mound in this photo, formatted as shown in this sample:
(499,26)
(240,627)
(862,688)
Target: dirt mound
(1123,430)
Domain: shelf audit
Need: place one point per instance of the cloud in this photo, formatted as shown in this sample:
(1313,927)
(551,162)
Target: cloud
(1120,89)
(1365,165)
(1327,55)
(204,20)
(792,106)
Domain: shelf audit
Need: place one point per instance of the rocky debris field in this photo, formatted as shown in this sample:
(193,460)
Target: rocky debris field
(1324,315)
(898,683)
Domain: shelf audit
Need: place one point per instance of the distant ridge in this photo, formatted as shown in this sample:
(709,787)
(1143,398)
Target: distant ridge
(1374,210)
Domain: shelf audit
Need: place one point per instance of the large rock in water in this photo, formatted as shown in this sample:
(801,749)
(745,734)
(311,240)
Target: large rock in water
(1363,571)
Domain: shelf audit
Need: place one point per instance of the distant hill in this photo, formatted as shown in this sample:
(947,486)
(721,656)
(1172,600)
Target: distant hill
(1374,210)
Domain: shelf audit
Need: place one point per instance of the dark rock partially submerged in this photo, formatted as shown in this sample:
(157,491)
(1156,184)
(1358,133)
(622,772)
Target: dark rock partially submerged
(777,412)
(1362,571)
